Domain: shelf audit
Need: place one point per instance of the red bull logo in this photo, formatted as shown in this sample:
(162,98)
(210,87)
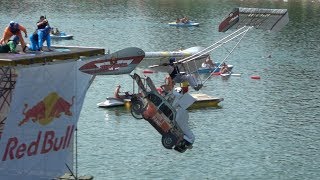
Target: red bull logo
(44,143)
(44,112)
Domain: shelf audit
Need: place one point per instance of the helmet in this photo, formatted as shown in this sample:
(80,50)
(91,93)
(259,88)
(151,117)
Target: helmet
(16,40)
(171,60)
(12,23)
(14,26)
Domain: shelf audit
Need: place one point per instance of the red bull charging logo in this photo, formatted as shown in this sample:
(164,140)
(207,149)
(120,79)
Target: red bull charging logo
(52,106)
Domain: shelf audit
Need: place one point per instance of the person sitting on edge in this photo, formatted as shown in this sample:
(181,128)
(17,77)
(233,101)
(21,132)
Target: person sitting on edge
(178,77)
(14,29)
(117,93)
(11,46)
(37,42)
(208,63)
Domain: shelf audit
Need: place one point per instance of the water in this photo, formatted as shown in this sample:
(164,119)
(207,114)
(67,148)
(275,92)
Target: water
(264,129)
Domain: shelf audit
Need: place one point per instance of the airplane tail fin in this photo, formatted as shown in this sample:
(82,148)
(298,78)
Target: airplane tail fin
(267,19)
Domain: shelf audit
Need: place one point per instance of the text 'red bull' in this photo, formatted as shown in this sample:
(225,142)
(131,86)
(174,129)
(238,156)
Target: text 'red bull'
(52,106)
(44,143)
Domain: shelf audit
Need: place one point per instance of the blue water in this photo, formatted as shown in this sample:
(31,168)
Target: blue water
(264,129)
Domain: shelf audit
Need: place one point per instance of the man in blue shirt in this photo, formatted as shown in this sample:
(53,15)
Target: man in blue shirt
(37,39)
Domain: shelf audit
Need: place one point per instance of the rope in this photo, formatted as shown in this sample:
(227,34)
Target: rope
(206,50)
(244,33)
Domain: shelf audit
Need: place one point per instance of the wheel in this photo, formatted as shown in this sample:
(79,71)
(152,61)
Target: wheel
(137,107)
(137,116)
(168,140)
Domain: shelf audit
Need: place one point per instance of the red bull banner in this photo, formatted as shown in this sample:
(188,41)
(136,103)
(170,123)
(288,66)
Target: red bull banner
(37,136)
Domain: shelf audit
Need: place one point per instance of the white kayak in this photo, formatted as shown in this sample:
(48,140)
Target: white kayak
(188,24)
(61,36)
(113,102)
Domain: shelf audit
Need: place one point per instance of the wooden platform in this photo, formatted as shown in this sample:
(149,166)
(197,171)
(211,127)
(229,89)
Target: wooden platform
(58,53)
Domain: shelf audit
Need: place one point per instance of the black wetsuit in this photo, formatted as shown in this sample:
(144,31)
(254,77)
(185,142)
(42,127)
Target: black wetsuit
(175,71)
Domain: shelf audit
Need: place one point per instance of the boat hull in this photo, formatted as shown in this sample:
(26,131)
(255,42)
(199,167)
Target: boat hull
(65,37)
(114,102)
(190,24)
(213,70)
(205,101)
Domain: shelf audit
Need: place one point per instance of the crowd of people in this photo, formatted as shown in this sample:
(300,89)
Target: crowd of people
(12,36)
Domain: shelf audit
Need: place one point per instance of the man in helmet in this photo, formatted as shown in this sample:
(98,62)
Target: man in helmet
(10,46)
(14,29)
(179,77)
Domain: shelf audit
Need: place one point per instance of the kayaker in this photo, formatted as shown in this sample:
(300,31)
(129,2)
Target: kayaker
(10,46)
(14,28)
(208,63)
(184,20)
(224,69)
(117,93)
(55,31)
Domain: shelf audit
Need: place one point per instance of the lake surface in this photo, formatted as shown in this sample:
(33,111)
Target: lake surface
(264,129)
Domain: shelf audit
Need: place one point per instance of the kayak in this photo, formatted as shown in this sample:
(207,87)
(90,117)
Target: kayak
(112,102)
(61,35)
(213,70)
(189,24)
